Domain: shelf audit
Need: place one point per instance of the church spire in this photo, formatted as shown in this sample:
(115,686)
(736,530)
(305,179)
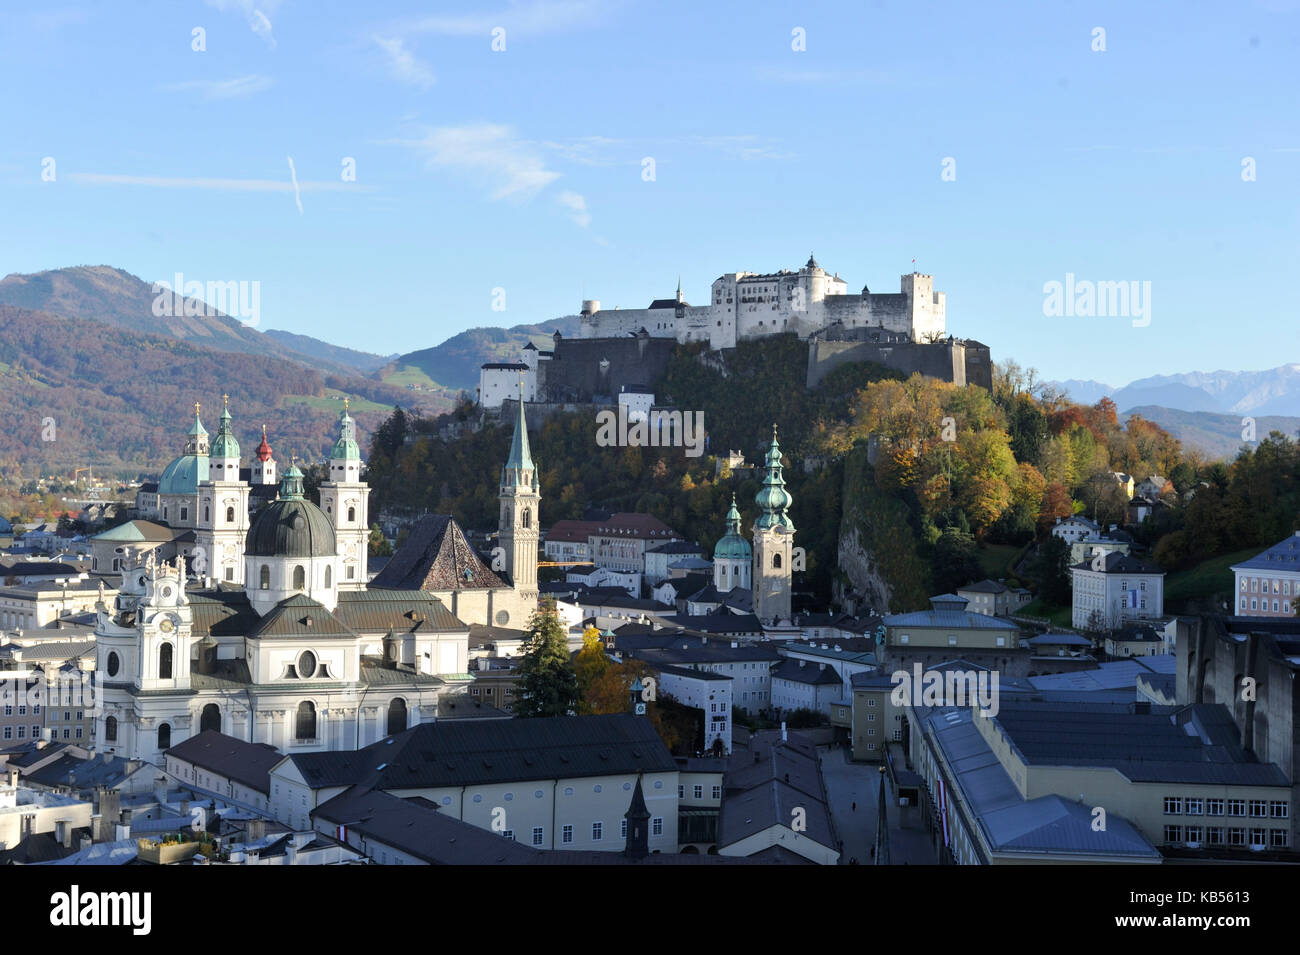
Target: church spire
(519,466)
(197,437)
(225,446)
(773,499)
(345,448)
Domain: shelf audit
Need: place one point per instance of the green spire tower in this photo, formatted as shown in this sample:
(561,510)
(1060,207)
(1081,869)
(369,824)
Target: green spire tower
(773,542)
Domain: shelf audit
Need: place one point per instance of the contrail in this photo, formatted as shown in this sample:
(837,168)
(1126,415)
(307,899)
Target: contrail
(297,196)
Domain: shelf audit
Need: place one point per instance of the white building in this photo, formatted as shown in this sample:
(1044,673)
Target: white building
(1112,590)
(747,305)
(1268,584)
(1076,528)
(708,692)
(798,684)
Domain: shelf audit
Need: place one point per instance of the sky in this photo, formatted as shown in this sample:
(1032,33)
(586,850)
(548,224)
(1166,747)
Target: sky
(383,172)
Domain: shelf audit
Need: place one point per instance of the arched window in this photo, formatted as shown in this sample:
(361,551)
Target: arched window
(110,730)
(306,720)
(329,576)
(265,580)
(776,560)
(211,718)
(165,736)
(165,662)
(352,514)
(206,513)
(299,578)
(396,716)
(230,515)
(528,517)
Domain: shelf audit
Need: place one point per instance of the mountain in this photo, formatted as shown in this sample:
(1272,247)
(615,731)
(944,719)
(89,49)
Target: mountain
(1218,435)
(359,361)
(455,363)
(1170,395)
(122,401)
(1273,391)
(1084,392)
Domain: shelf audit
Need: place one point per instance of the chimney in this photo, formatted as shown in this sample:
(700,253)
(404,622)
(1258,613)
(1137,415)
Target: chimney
(84,843)
(63,833)
(256,830)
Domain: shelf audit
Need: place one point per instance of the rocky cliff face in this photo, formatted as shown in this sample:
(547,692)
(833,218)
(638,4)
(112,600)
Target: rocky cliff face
(865,580)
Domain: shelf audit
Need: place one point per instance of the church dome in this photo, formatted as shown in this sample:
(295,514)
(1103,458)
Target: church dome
(183,475)
(732,546)
(290,526)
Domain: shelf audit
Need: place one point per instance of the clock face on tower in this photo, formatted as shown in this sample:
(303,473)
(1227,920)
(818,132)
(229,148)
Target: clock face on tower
(166,625)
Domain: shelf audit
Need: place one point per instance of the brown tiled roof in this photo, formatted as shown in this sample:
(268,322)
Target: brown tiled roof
(436,556)
(572,531)
(628,524)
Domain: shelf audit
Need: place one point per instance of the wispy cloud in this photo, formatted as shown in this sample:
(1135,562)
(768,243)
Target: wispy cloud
(194,182)
(533,17)
(603,151)
(225,89)
(257,14)
(403,64)
(577,206)
(511,167)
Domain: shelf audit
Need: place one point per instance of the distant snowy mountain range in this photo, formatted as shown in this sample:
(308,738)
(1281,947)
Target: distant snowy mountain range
(1275,391)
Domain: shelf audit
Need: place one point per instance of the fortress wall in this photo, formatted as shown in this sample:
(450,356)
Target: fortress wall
(947,361)
(574,373)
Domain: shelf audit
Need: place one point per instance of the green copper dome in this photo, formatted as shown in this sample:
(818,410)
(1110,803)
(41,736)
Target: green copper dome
(291,525)
(732,546)
(346,448)
(183,475)
(225,445)
(773,499)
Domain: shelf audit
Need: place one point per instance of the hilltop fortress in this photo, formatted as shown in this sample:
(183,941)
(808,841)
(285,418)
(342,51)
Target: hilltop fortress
(620,348)
(746,305)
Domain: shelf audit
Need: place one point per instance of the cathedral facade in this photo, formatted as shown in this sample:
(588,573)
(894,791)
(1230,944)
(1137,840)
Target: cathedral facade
(279,637)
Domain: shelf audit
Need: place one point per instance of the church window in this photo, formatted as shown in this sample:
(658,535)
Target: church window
(528,517)
(299,578)
(230,573)
(307,664)
(776,560)
(165,736)
(210,718)
(165,662)
(185,513)
(206,513)
(352,513)
(113,664)
(230,515)
(265,580)
(396,716)
(306,729)
(351,572)
(110,730)
(329,576)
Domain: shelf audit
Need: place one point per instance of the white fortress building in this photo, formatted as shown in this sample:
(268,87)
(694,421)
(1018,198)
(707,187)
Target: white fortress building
(747,305)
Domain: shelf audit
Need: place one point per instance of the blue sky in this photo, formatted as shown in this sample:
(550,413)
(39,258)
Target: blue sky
(522,169)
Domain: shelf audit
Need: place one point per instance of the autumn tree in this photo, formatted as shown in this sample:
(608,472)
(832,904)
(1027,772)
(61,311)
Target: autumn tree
(611,692)
(590,665)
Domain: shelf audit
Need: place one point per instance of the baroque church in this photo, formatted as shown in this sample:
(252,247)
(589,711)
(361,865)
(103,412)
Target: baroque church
(265,626)
(764,568)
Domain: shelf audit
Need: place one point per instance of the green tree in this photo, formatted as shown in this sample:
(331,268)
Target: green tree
(547,683)
(379,546)
(1053,570)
